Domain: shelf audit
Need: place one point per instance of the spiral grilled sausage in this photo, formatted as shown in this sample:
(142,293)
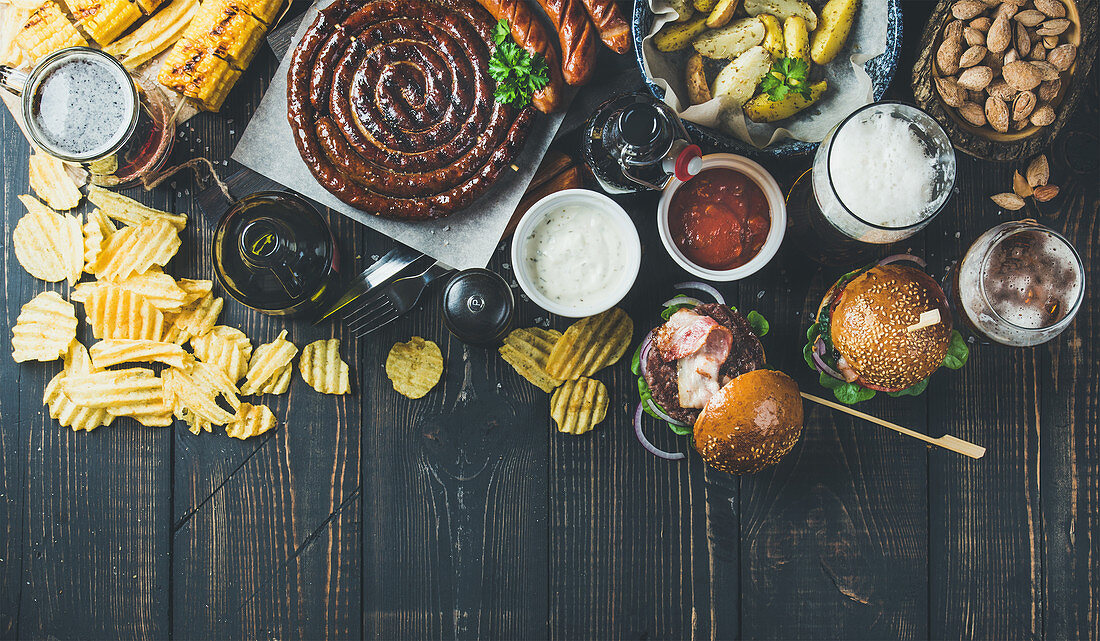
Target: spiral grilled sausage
(614,30)
(392,106)
(529,33)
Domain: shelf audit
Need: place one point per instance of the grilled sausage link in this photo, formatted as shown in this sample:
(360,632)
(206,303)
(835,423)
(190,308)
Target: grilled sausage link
(614,30)
(529,33)
(578,39)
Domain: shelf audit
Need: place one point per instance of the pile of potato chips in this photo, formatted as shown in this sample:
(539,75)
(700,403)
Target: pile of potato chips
(562,364)
(139,314)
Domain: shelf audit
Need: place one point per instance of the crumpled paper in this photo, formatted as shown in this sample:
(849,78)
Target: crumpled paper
(849,85)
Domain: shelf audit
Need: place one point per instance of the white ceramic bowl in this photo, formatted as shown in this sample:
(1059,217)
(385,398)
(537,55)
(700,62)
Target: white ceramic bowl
(616,215)
(776,203)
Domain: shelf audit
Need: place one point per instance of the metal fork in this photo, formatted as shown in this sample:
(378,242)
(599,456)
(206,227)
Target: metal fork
(391,302)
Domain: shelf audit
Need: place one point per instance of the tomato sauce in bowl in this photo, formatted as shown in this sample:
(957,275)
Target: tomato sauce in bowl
(720,219)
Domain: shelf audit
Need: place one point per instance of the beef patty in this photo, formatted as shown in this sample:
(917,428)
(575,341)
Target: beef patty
(746,354)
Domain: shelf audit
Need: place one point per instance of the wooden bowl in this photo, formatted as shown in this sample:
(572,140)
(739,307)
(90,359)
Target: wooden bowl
(984,141)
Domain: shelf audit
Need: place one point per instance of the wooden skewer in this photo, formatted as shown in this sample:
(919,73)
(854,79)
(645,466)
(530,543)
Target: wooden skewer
(966,448)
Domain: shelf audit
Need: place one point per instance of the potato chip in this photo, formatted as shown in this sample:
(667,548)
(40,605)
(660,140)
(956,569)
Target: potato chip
(136,392)
(114,312)
(414,367)
(195,319)
(47,243)
(52,183)
(322,368)
(251,420)
(225,347)
(44,328)
(62,409)
(195,423)
(265,370)
(194,289)
(114,351)
(129,211)
(133,250)
(590,344)
(279,382)
(155,286)
(527,350)
(97,231)
(579,405)
(196,387)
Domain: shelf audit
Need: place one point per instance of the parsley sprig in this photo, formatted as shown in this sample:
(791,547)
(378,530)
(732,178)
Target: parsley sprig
(787,75)
(518,74)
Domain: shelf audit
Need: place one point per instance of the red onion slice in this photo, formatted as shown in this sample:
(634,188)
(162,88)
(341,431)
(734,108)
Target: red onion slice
(665,417)
(817,354)
(643,355)
(702,287)
(650,447)
(899,257)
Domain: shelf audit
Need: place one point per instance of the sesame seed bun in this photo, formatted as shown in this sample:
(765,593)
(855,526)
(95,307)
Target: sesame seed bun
(750,423)
(869,327)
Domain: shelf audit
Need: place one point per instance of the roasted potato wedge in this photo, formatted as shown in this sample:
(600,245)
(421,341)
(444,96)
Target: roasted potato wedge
(675,36)
(683,8)
(773,35)
(782,9)
(736,83)
(832,32)
(696,79)
(722,13)
(732,40)
(796,38)
(764,109)
(705,6)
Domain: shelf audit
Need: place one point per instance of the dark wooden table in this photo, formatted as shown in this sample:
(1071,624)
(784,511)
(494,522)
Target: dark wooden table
(464,514)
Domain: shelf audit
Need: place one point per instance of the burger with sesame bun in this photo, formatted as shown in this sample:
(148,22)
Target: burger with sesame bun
(883,328)
(702,371)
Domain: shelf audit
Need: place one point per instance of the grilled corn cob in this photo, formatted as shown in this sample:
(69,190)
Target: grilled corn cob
(103,20)
(148,6)
(46,31)
(228,29)
(154,35)
(266,11)
(194,71)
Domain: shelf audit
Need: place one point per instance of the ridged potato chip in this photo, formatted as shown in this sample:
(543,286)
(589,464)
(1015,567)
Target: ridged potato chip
(579,405)
(114,312)
(195,289)
(195,319)
(195,423)
(62,409)
(591,344)
(136,392)
(52,183)
(44,328)
(133,250)
(251,420)
(322,368)
(196,387)
(113,351)
(97,231)
(129,211)
(225,347)
(414,367)
(155,286)
(527,350)
(266,368)
(47,243)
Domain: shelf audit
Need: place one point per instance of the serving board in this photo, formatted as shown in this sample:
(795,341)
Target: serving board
(967,138)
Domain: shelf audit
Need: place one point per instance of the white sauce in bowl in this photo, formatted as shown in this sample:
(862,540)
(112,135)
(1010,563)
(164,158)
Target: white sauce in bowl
(575,254)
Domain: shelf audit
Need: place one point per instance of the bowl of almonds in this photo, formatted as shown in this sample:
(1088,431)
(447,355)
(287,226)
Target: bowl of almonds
(1002,68)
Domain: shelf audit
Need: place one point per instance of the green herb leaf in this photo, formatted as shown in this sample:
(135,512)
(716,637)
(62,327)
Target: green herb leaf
(812,332)
(500,31)
(807,351)
(636,362)
(957,351)
(759,324)
(850,394)
(785,76)
(673,308)
(915,390)
(646,395)
(679,430)
(518,74)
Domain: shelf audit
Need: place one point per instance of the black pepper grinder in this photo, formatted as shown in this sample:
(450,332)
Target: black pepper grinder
(477,306)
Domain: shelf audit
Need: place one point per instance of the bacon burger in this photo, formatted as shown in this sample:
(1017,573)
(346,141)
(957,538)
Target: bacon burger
(703,372)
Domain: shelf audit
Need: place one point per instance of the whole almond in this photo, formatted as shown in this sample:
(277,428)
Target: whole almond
(1021,75)
(972,113)
(1046,193)
(1009,57)
(1042,116)
(1053,27)
(1021,40)
(972,56)
(1005,10)
(1009,201)
(1001,89)
(1052,8)
(947,56)
(1000,35)
(976,78)
(954,29)
(1023,104)
(967,9)
(1047,70)
(1020,186)
(1050,42)
(982,23)
(952,94)
(1038,53)
(1049,90)
(973,37)
(1017,125)
(1038,171)
(1030,17)
(997,114)
(1062,56)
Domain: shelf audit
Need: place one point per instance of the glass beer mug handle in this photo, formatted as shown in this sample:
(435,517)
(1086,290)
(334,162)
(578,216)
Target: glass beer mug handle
(13,79)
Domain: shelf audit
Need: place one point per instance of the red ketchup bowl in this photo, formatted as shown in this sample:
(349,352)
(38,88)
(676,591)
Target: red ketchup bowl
(727,222)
